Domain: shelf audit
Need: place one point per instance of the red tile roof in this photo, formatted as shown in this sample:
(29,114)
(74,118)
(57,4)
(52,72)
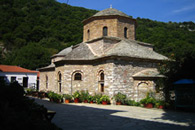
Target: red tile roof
(8,68)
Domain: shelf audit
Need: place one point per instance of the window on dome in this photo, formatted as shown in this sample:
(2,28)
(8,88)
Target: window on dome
(125,32)
(105,31)
(88,34)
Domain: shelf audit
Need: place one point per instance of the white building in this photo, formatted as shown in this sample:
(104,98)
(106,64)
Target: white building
(25,77)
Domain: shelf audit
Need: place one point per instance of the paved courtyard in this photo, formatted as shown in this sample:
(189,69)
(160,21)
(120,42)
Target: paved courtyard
(83,116)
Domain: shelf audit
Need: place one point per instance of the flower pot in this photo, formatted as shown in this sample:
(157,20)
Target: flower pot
(91,102)
(104,102)
(149,105)
(118,103)
(76,100)
(67,101)
(85,101)
(161,107)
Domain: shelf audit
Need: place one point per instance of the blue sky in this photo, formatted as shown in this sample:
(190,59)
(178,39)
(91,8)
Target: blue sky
(160,10)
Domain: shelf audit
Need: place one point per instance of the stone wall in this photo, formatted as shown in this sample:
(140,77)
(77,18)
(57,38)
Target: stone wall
(115,27)
(51,81)
(123,80)
(90,78)
(129,24)
(96,28)
(118,78)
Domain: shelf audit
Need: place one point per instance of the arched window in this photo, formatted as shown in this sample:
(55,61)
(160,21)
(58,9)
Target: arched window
(101,81)
(88,34)
(46,81)
(105,31)
(78,76)
(102,76)
(125,32)
(59,82)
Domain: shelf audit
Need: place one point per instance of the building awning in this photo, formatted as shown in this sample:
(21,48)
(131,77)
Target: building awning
(148,73)
(185,81)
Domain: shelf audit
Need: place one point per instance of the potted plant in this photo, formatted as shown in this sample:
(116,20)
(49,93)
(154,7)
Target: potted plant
(76,96)
(67,97)
(57,98)
(54,97)
(91,99)
(148,102)
(50,96)
(97,98)
(84,96)
(119,98)
(104,99)
(160,104)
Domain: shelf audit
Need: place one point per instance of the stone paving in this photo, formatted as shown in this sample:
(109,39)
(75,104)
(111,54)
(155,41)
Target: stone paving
(83,116)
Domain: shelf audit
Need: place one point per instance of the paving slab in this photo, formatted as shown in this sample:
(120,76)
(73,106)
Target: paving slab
(84,116)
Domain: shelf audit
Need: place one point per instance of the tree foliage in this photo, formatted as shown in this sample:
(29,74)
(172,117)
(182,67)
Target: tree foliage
(33,30)
(48,26)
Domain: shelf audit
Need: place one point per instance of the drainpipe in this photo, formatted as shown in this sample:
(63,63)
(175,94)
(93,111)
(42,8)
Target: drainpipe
(71,85)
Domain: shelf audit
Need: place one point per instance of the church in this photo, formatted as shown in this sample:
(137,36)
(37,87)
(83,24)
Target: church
(108,61)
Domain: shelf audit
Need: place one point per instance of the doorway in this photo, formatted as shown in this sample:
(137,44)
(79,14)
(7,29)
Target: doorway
(25,81)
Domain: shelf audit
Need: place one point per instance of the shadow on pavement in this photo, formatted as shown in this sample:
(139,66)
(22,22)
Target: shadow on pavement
(74,117)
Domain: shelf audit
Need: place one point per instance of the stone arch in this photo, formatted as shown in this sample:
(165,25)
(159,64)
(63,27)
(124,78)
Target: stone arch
(77,75)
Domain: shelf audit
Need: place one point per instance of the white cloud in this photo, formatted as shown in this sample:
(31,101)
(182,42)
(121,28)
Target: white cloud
(187,8)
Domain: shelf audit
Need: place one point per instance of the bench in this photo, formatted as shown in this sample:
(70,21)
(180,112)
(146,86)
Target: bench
(50,114)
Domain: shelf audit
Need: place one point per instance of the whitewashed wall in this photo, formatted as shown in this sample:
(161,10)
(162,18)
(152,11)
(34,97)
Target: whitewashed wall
(32,78)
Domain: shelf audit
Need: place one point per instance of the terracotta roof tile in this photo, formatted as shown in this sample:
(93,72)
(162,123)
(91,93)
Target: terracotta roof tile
(8,68)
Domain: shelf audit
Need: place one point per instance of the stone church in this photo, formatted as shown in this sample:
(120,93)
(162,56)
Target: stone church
(108,61)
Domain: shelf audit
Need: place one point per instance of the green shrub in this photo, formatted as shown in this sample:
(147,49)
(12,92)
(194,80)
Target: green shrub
(91,98)
(97,98)
(76,95)
(132,103)
(84,95)
(119,97)
(149,99)
(67,96)
(105,98)
(55,97)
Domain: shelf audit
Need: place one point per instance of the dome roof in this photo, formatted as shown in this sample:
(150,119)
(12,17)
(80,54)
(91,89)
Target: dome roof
(110,11)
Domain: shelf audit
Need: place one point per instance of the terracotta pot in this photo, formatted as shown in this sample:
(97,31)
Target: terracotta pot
(118,103)
(149,105)
(67,101)
(76,100)
(161,107)
(104,102)
(91,102)
(85,101)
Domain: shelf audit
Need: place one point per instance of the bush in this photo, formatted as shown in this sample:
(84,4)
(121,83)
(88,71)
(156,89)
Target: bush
(120,97)
(97,98)
(84,95)
(105,98)
(67,96)
(132,103)
(91,98)
(55,97)
(149,99)
(76,95)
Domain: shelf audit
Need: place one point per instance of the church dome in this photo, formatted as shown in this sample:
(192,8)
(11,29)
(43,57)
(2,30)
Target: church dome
(110,12)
